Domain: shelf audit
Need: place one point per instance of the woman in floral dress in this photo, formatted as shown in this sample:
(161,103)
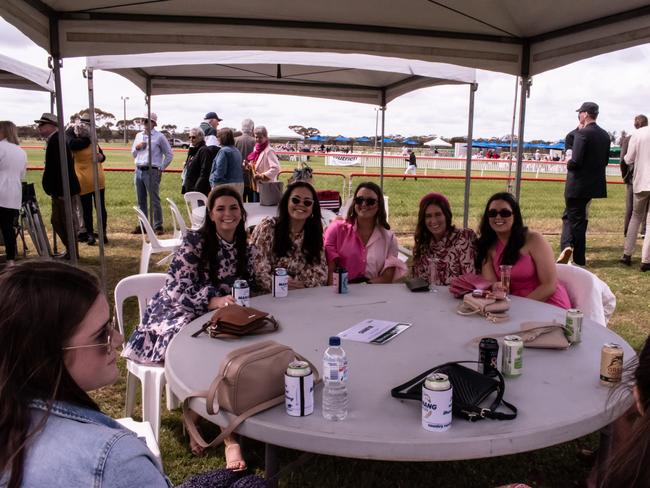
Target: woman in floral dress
(199,279)
(441,251)
(293,240)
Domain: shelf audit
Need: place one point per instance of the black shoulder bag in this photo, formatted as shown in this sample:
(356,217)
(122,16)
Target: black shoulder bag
(470,389)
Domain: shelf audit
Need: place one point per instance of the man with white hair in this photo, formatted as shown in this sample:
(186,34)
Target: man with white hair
(246,144)
(149,172)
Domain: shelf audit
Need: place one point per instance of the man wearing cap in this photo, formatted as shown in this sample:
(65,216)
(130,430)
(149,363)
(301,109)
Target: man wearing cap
(48,128)
(209,127)
(585,180)
(148,173)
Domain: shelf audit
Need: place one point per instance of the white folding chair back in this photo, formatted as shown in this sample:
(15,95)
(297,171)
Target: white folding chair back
(151,244)
(587,292)
(195,199)
(180,228)
(144,431)
(152,377)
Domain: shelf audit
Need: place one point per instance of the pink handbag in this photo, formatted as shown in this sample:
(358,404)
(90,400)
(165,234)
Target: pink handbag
(463,284)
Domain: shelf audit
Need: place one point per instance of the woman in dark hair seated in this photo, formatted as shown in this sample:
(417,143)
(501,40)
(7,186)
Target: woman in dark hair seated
(363,243)
(199,279)
(441,251)
(293,240)
(58,343)
(504,240)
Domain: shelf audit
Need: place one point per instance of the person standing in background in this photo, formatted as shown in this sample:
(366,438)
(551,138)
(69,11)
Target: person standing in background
(246,143)
(13,165)
(266,166)
(627,174)
(412,168)
(209,127)
(149,173)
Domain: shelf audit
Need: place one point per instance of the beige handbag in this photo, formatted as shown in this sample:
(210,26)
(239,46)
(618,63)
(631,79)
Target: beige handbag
(250,380)
(492,307)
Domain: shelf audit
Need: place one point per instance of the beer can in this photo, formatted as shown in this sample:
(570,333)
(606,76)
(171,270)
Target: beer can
(299,389)
(611,364)
(241,293)
(436,403)
(512,360)
(280,283)
(573,325)
(488,353)
(340,280)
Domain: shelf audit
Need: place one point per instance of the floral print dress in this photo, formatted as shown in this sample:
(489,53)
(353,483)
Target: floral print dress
(185,296)
(295,263)
(453,256)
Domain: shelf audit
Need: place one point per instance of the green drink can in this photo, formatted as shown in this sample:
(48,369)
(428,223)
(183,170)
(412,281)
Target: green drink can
(573,325)
(512,357)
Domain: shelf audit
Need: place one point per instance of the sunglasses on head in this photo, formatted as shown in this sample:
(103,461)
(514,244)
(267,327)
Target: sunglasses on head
(298,201)
(504,212)
(370,202)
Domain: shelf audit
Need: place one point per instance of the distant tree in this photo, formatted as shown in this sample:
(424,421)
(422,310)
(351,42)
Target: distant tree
(28,131)
(171,128)
(305,131)
(101,116)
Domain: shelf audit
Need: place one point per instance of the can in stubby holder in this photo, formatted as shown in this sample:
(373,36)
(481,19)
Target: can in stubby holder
(241,293)
(280,283)
(611,364)
(512,361)
(436,403)
(573,325)
(488,352)
(340,280)
(299,389)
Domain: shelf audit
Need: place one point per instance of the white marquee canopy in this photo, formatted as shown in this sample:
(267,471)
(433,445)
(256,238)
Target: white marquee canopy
(23,76)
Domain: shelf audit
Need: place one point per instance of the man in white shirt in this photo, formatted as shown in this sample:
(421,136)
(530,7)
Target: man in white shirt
(149,172)
(638,160)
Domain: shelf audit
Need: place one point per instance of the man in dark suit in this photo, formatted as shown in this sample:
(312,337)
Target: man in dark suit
(585,180)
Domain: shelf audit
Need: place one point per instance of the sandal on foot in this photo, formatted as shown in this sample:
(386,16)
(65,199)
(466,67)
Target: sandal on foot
(234,459)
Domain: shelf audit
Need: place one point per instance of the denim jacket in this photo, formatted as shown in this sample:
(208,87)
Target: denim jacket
(227,167)
(80,447)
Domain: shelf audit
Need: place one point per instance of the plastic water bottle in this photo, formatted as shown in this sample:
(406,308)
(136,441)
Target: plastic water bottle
(335,378)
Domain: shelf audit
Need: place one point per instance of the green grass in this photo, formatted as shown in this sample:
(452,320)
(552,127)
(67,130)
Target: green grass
(542,205)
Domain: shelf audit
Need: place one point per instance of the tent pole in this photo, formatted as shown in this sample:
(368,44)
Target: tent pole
(149,151)
(526,81)
(52,103)
(512,135)
(88,72)
(63,157)
(468,161)
(381,159)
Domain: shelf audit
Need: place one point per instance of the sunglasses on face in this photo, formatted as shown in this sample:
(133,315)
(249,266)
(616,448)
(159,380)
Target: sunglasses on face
(504,212)
(370,202)
(192,137)
(105,339)
(298,201)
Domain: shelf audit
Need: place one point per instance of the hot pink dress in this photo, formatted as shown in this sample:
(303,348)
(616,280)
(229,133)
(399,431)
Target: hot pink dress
(523,278)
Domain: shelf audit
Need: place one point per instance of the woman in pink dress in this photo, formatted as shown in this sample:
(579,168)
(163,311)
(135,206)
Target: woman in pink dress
(504,240)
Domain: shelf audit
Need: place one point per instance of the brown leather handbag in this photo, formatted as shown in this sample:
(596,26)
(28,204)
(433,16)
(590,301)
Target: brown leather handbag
(235,321)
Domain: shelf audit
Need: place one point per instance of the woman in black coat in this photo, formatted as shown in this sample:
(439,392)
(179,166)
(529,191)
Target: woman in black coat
(196,172)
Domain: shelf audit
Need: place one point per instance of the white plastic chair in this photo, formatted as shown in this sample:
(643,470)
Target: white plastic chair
(144,431)
(587,292)
(180,228)
(192,200)
(151,244)
(404,254)
(152,377)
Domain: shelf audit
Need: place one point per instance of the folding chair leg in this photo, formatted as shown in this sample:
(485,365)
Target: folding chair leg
(131,384)
(145,255)
(152,387)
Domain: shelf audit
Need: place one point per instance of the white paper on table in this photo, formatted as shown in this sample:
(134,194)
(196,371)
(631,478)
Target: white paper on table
(368,330)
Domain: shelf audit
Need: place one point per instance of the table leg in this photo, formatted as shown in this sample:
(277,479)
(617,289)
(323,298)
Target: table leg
(271,464)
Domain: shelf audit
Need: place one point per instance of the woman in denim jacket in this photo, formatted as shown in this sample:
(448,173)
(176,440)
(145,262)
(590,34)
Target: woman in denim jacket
(58,342)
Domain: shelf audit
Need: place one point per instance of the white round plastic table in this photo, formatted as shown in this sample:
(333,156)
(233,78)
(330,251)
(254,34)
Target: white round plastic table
(257,212)
(559,396)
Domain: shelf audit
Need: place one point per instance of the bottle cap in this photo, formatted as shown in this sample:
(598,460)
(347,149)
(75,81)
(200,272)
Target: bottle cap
(335,341)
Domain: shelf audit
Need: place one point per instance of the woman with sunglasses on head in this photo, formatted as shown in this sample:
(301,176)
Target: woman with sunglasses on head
(292,240)
(441,251)
(196,172)
(363,243)
(58,343)
(504,240)
(199,279)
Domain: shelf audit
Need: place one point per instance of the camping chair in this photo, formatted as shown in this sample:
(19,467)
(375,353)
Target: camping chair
(152,377)
(151,244)
(587,292)
(180,228)
(195,199)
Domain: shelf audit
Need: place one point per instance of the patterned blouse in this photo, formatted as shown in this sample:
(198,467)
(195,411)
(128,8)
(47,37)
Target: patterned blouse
(185,296)
(297,267)
(454,255)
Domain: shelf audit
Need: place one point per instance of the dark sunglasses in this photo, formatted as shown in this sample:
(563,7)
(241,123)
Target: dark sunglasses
(193,137)
(504,212)
(298,201)
(370,202)
(105,339)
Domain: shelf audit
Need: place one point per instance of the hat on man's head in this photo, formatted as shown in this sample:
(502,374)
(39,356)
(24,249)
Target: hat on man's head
(589,107)
(154,118)
(211,115)
(48,118)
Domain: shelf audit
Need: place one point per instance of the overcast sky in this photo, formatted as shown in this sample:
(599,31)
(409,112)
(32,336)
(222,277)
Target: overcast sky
(619,82)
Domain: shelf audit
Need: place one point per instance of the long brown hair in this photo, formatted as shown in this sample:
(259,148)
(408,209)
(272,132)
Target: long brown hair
(422,235)
(630,463)
(9,131)
(43,303)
